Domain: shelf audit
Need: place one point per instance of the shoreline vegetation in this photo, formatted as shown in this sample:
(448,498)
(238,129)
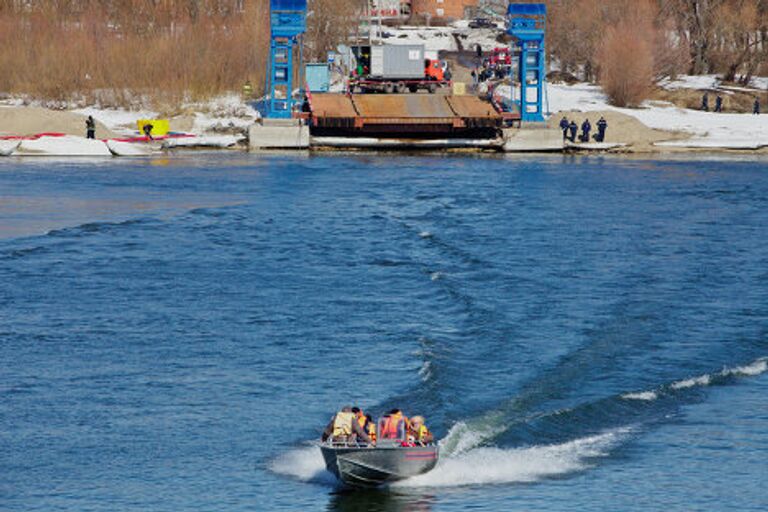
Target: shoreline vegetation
(156,54)
(174,59)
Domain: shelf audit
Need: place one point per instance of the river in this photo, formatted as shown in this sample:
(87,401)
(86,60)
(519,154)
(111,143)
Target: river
(581,333)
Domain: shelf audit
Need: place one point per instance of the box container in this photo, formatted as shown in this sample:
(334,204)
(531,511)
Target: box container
(404,62)
(318,77)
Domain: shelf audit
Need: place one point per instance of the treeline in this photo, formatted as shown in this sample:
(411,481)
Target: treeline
(627,45)
(118,51)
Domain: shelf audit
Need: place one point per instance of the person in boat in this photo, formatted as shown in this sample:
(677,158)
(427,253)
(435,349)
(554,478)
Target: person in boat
(419,432)
(360,417)
(370,428)
(344,427)
(394,426)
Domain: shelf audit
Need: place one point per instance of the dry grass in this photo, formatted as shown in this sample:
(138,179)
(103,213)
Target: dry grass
(737,102)
(127,53)
(626,65)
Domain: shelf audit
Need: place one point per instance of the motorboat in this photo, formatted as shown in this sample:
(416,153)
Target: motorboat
(363,465)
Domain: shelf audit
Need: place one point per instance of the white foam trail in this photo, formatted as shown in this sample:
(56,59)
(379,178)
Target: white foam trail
(461,437)
(751,370)
(703,380)
(425,372)
(425,234)
(435,276)
(305,463)
(496,466)
(642,395)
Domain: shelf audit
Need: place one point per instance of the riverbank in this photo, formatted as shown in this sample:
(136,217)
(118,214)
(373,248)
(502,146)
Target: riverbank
(657,127)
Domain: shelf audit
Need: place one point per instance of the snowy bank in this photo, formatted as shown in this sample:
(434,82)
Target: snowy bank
(707,129)
(206,141)
(67,145)
(119,148)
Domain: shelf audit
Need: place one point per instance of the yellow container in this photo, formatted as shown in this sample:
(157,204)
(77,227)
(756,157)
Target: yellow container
(160,127)
(459,88)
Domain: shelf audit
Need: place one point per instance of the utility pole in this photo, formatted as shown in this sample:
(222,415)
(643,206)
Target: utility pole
(378,8)
(370,22)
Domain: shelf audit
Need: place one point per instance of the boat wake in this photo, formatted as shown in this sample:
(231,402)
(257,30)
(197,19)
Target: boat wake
(724,376)
(482,466)
(305,464)
(473,466)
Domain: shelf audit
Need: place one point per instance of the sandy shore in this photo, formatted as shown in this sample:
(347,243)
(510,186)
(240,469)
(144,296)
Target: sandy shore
(623,129)
(26,121)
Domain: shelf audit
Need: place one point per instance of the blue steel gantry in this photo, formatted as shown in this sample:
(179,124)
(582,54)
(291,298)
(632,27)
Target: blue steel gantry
(526,23)
(287,23)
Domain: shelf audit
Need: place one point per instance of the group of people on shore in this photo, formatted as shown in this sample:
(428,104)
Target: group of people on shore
(352,426)
(570,130)
(719,104)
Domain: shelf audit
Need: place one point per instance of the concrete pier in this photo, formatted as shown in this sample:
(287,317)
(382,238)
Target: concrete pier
(269,134)
(532,139)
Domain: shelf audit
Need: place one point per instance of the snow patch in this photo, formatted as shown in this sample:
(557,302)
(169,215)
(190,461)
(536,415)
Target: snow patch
(708,129)
(118,120)
(205,141)
(68,145)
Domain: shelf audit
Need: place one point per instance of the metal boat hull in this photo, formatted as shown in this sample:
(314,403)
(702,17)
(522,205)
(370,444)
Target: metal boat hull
(371,467)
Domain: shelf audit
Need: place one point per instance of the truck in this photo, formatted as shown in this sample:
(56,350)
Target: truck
(397,69)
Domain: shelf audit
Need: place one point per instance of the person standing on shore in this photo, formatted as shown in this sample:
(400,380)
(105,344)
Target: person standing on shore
(247,90)
(602,125)
(719,103)
(564,124)
(90,128)
(148,131)
(586,127)
(756,107)
(705,102)
(573,128)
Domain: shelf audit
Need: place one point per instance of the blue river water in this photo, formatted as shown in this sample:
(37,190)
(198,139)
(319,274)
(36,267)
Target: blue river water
(581,333)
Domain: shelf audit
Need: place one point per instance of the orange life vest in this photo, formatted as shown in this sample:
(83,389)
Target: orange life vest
(372,432)
(390,426)
(361,419)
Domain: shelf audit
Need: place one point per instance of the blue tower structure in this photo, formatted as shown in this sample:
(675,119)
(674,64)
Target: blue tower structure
(288,23)
(526,23)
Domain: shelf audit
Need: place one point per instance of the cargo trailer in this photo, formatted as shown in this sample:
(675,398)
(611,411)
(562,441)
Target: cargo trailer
(397,69)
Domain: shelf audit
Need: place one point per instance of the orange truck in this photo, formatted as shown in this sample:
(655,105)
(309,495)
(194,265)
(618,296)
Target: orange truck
(397,69)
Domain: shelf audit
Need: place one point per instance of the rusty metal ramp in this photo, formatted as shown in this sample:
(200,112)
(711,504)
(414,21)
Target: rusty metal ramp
(395,115)
(403,106)
(333,105)
(471,106)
